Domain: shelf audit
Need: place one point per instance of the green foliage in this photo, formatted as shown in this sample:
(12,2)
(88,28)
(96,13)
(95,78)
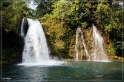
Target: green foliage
(74,13)
(44,7)
(12,15)
(60,18)
(84,24)
(111,50)
(10,52)
(56,32)
(9,55)
(115,22)
(67,11)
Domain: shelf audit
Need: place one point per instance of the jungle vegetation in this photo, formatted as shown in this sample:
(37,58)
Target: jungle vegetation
(59,19)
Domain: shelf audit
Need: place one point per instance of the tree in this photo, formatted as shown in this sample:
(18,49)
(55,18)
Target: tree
(107,15)
(67,11)
(12,15)
(44,7)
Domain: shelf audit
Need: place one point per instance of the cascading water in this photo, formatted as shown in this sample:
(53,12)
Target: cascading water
(35,50)
(99,51)
(79,35)
(22,30)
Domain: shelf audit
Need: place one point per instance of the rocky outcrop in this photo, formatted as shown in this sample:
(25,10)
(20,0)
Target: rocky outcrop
(23,27)
(89,41)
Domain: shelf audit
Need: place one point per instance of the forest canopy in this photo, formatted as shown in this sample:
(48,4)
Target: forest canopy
(60,18)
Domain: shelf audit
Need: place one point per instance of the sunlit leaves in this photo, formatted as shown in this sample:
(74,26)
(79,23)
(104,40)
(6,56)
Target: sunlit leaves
(67,11)
(106,14)
(12,14)
(103,8)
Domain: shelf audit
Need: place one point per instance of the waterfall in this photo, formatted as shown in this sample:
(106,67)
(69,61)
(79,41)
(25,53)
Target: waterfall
(99,51)
(35,50)
(22,30)
(79,44)
(98,48)
(76,49)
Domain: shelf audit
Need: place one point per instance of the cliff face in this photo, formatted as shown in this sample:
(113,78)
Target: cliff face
(12,44)
(23,27)
(88,39)
(62,40)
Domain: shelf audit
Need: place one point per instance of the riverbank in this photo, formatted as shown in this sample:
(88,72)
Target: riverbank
(112,59)
(116,58)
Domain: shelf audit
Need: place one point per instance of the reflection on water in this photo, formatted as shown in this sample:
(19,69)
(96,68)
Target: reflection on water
(35,73)
(71,71)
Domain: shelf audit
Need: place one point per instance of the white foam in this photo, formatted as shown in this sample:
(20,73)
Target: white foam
(44,63)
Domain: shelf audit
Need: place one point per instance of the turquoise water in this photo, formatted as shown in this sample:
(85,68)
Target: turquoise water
(82,71)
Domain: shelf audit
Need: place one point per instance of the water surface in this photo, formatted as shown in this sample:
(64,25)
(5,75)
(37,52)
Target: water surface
(70,71)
